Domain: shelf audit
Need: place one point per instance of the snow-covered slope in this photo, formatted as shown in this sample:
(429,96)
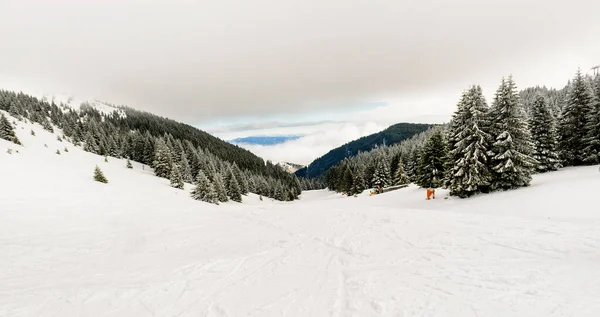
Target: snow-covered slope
(136,247)
(290,167)
(72,102)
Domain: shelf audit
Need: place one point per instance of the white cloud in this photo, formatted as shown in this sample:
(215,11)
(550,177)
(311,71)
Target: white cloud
(317,143)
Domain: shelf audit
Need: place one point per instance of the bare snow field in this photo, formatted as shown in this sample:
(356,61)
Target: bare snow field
(70,246)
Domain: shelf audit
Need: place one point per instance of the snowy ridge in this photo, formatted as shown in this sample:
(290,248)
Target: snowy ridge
(137,247)
(75,103)
(290,167)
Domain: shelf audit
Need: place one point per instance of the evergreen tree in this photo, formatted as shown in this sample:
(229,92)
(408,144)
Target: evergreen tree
(6,130)
(431,169)
(592,128)
(99,176)
(572,121)
(129,165)
(219,186)
(175,178)
(381,177)
(543,134)
(184,168)
(58,152)
(347,179)
(469,143)
(233,187)
(163,161)
(358,183)
(400,177)
(511,161)
(204,190)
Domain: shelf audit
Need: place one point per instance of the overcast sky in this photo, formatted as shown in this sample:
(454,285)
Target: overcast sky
(223,61)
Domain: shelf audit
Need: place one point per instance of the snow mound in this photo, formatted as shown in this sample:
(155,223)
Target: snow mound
(137,247)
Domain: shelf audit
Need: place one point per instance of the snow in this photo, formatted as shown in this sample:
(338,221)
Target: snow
(137,247)
(75,103)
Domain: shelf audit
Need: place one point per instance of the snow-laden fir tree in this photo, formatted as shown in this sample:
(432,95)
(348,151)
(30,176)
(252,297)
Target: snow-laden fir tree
(381,177)
(184,168)
(347,179)
(511,155)
(592,128)
(573,119)
(219,186)
(163,161)
(129,165)
(400,177)
(175,178)
(234,192)
(99,176)
(469,144)
(204,190)
(543,134)
(431,170)
(6,130)
(358,182)
(58,152)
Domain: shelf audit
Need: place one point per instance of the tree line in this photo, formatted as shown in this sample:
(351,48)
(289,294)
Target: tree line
(175,150)
(488,148)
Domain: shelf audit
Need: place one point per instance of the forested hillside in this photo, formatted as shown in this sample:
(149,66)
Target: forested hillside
(488,148)
(173,149)
(392,135)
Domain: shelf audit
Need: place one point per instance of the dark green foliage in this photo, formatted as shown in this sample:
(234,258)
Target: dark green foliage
(7,131)
(175,178)
(592,128)
(543,133)
(572,121)
(163,161)
(511,153)
(58,152)
(219,186)
(431,170)
(99,176)
(135,135)
(468,172)
(381,177)
(204,190)
(234,191)
(392,135)
(347,180)
(400,177)
(129,165)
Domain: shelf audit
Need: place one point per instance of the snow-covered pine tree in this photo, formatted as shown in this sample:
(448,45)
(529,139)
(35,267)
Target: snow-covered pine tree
(573,119)
(7,131)
(234,191)
(592,128)
(469,143)
(219,186)
(129,165)
(358,183)
(184,168)
(240,177)
(543,134)
(204,190)
(58,152)
(175,178)
(99,176)
(381,177)
(431,170)
(400,177)
(511,155)
(163,161)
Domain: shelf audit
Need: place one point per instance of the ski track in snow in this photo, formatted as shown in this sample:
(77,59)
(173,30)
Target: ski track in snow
(136,247)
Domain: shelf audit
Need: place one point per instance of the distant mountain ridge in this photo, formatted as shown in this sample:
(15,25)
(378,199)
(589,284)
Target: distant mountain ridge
(290,167)
(265,140)
(392,135)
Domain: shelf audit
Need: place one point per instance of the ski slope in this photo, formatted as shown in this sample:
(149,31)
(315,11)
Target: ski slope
(70,246)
